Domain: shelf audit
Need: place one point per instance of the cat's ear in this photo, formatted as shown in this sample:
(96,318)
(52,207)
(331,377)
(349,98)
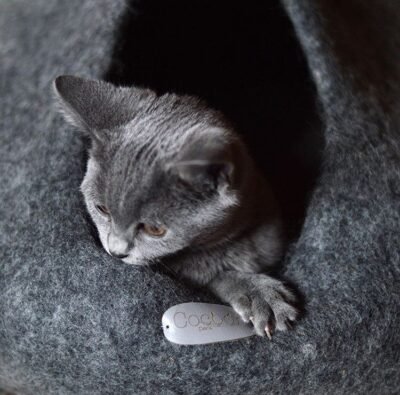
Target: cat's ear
(205,161)
(92,105)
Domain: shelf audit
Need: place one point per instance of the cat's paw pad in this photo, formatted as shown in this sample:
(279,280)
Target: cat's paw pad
(268,308)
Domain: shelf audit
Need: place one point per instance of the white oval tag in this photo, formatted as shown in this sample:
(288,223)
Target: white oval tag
(202,323)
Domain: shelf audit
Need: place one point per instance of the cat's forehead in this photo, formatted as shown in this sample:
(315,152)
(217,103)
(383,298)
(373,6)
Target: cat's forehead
(135,158)
(132,166)
(141,147)
(133,191)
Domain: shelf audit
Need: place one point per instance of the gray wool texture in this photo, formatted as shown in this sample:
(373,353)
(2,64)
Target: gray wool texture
(73,321)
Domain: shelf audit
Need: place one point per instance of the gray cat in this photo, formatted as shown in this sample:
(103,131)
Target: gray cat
(168,179)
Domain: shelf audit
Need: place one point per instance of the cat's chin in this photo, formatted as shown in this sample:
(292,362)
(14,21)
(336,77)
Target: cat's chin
(134,260)
(131,259)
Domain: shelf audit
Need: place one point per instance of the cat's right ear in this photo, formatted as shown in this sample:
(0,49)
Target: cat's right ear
(93,106)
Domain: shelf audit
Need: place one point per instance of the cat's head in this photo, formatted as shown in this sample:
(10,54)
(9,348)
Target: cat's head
(161,175)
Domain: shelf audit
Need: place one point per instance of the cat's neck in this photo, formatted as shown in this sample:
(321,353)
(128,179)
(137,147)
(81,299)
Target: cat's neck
(255,222)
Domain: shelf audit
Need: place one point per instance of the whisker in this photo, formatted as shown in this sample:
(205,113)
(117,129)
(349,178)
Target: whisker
(170,270)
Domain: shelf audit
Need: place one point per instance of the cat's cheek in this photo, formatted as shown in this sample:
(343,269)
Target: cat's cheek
(103,240)
(103,231)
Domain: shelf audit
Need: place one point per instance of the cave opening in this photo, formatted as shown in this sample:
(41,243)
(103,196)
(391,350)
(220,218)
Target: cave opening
(244,59)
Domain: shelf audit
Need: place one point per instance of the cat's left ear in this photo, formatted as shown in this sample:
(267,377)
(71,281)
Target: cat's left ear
(94,106)
(206,161)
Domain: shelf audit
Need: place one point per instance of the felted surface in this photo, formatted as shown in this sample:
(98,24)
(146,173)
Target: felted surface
(75,321)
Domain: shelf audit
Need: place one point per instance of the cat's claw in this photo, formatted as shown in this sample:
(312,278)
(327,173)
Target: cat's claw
(268,308)
(263,300)
(289,324)
(268,331)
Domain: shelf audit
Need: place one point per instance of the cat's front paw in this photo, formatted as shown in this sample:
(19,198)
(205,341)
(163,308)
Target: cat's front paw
(267,303)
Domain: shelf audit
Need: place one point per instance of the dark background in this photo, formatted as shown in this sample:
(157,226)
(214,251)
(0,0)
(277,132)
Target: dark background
(245,61)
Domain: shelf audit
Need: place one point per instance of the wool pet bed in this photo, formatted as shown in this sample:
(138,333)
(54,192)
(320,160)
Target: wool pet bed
(73,320)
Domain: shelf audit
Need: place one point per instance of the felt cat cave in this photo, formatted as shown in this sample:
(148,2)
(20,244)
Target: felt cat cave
(74,320)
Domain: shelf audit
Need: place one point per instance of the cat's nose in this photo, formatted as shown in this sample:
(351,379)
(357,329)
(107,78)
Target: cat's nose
(117,246)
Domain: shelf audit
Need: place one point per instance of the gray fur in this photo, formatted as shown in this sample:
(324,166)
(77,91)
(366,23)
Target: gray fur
(170,161)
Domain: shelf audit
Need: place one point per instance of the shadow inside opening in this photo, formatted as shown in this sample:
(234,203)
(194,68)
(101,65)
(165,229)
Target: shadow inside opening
(243,59)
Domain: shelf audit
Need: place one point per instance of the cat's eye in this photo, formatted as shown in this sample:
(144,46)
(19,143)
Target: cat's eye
(154,231)
(102,210)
